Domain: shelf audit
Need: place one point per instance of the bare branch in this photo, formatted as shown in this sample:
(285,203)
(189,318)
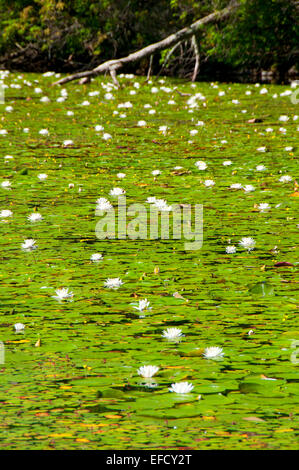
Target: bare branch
(197,57)
(166,43)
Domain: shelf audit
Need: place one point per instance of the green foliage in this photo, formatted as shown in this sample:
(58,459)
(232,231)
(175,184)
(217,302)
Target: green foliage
(66,34)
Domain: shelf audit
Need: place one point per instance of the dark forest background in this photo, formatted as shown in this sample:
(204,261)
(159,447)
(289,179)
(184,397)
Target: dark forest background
(73,35)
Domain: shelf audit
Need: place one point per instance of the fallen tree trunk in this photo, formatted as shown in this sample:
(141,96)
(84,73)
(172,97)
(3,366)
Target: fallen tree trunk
(113,65)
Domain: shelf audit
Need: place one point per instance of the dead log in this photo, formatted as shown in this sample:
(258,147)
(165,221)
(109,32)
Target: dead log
(113,65)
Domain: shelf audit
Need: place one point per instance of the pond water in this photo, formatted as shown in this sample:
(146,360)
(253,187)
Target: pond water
(70,373)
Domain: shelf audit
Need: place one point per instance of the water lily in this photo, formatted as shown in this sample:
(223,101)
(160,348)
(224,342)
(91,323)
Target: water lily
(29,245)
(260,168)
(103,204)
(162,205)
(230,249)
(248,188)
(19,327)
(5,213)
(35,217)
(63,294)
(248,243)
(209,183)
(147,371)
(42,176)
(67,143)
(212,352)
(6,184)
(181,387)
(142,305)
(117,192)
(201,165)
(263,206)
(113,283)
(96,257)
(172,333)
(285,179)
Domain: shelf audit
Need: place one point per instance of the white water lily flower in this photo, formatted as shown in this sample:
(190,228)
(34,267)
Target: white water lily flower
(29,244)
(107,136)
(162,205)
(85,103)
(44,132)
(68,142)
(201,165)
(117,192)
(121,175)
(227,163)
(151,200)
(96,257)
(181,387)
(42,176)
(34,217)
(261,149)
(269,129)
(230,249)
(70,113)
(141,123)
(163,129)
(156,172)
(200,123)
(283,118)
(260,168)
(263,206)
(288,149)
(213,352)
(172,333)
(209,183)
(142,305)
(19,327)
(63,294)
(99,128)
(6,184)
(248,188)
(5,213)
(193,132)
(236,186)
(248,243)
(285,179)
(3,131)
(103,204)
(147,371)
(113,283)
